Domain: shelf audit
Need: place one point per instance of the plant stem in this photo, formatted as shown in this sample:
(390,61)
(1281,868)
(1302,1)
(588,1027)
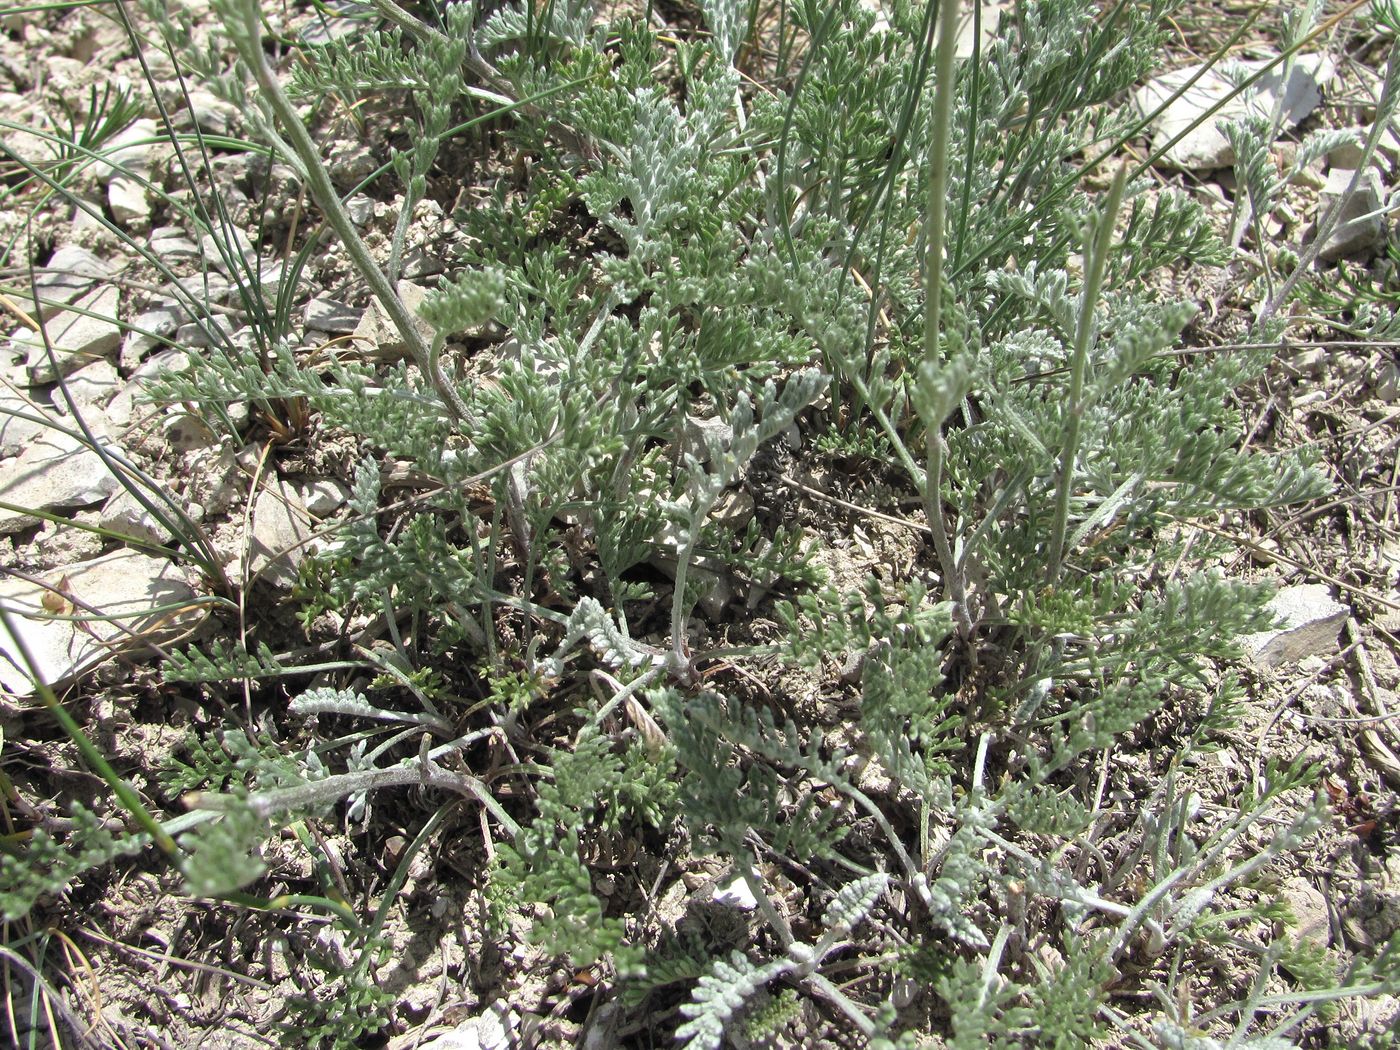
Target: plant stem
(748,871)
(945,73)
(308,159)
(334,788)
(1096,250)
(831,993)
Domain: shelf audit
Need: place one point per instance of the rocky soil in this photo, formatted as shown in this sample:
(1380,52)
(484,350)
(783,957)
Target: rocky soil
(135,966)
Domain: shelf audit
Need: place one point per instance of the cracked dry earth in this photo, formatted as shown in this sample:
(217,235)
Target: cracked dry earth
(136,965)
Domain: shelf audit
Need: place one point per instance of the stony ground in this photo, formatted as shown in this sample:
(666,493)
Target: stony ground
(150,969)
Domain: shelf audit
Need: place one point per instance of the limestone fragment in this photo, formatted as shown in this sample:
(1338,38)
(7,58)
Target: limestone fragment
(735,893)
(280,531)
(171,245)
(91,388)
(78,335)
(493,1029)
(1311,621)
(70,272)
(376,333)
(148,329)
(1361,225)
(19,424)
(138,590)
(1202,145)
(126,172)
(126,514)
(211,114)
(1310,912)
(324,496)
(332,316)
(55,472)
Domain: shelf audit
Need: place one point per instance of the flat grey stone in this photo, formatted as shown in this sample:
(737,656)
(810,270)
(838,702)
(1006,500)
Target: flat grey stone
(1348,155)
(350,163)
(70,273)
(212,115)
(281,527)
(733,509)
(716,591)
(1361,229)
(124,404)
(1309,908)
(420,263)
(128,203)
(54,472)
(1204,146)
(323,497)
(91,386)
(134,588)
(17,433)
(128,161)
(332,316)
(1388,382)
(1311,621)
(170,244)
(188,433)
(702,437)
(229,249)
(270,274)
(78,337)
(205,287)
(147,330)
(28,140)
(128,150)
(376,334)
(203,333)
(124,513)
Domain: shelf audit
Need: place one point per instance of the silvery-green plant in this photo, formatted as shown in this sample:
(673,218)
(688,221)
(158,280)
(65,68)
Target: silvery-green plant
(906,237)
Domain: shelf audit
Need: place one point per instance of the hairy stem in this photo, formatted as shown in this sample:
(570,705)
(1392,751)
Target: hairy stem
(945,90)
(307,158)
(1096,250)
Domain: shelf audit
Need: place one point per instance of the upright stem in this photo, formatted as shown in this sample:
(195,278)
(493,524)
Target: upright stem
(944,71)
(249,42)
(1096,260)
(945,88)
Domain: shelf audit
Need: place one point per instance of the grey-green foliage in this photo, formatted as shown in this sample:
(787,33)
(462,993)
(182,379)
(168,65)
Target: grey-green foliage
(720,995)
(681,247)
(221,662)
(222,857)
(49,865)
(723,993)
(596,790)
(735,760)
